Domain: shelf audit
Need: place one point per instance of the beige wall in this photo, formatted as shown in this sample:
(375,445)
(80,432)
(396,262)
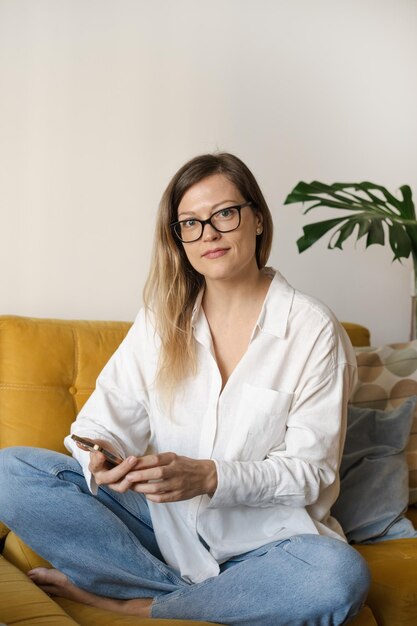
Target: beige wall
(102,100)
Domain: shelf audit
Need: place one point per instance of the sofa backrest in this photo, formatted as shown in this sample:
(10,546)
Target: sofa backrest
(48,369)
(359,335)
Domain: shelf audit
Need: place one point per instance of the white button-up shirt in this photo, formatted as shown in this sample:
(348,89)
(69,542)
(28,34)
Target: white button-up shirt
(275,432)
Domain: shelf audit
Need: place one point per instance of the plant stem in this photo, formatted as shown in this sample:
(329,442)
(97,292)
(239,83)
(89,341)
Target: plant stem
(413,327)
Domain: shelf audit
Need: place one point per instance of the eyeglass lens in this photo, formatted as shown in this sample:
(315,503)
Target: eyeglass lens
(223,221)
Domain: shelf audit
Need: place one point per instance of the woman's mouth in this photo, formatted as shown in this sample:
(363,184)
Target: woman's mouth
(215,253)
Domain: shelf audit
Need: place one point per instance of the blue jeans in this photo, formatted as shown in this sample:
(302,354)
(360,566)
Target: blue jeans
(105,544)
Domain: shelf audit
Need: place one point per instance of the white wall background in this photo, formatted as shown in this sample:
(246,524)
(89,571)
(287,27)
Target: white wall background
(102,100)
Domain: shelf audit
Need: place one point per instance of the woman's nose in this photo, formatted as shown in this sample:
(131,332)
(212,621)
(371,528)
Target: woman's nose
(210,233)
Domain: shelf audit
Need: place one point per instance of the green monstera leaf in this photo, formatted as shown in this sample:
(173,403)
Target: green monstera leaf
(373,210)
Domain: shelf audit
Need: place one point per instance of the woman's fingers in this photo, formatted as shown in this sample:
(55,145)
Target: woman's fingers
(156,460)
(155,473)
(104,474)
(181,478)
(164,477)
(115,477)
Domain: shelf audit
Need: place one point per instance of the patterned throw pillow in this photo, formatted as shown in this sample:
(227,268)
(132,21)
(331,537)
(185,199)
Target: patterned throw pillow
(387,376)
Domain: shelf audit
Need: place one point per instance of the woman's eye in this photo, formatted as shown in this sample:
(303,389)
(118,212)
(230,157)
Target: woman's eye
(225,213)
(189,224)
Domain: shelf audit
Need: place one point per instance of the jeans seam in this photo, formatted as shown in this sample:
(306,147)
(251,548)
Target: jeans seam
(52,470)
(178,594)
(127,508)
(57,469)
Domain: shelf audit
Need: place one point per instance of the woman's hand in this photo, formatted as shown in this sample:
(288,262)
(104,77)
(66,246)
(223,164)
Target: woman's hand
(164,477)
(167,477)
(103,470)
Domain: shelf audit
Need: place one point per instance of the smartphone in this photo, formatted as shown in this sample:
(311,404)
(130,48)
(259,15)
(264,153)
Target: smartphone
(95,447)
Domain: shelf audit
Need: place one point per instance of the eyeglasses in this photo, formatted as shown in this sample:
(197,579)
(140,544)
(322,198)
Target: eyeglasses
(224,221)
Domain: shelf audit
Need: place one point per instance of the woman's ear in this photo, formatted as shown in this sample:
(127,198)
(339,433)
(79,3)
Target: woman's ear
(259,224)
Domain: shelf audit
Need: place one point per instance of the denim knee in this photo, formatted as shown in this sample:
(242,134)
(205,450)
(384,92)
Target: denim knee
(9,460)
(348,581)
(336,579)
(355,580)
(19,466)
(13,460)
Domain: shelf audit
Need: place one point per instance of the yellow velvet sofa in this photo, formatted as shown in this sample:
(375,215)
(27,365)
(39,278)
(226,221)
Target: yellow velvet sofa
(48,369)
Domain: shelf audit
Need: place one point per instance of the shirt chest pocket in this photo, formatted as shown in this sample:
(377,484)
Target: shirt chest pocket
(259,423)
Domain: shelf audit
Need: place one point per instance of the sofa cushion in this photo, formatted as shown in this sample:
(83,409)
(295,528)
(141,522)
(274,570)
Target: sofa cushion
(48,368)
(387,376)
(393,594)
(24,604)
(18,553)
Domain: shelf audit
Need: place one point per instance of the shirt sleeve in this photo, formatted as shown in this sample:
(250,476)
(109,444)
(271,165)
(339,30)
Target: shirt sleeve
(116,411)
(296,473)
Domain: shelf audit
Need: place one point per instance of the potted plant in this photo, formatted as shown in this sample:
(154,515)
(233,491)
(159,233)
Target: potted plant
(372,209)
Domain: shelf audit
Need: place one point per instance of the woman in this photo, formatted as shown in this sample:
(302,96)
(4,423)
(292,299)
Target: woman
(227,401)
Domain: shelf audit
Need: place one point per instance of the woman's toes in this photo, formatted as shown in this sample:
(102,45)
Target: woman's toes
(54,582)
(43,576)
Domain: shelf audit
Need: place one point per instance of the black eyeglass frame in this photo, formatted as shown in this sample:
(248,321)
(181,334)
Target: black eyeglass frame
(239,207)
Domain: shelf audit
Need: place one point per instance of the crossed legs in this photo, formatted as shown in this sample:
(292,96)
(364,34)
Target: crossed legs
(104,553)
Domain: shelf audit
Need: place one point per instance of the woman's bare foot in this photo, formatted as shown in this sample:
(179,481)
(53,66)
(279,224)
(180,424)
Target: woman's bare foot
(56,583)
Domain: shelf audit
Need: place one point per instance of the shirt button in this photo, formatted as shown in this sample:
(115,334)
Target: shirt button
(72,390)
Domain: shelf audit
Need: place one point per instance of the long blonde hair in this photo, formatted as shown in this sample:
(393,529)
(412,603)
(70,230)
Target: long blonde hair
(173,284)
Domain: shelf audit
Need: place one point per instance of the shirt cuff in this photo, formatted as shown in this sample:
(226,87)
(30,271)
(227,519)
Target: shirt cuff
(240,482)
(83,458)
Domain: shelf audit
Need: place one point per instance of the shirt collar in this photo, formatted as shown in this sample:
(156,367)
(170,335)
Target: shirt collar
(197,306)
(273,318)
(199,322)
(275,312)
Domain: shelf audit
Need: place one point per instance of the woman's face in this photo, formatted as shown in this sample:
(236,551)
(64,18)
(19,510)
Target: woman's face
(220,256)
